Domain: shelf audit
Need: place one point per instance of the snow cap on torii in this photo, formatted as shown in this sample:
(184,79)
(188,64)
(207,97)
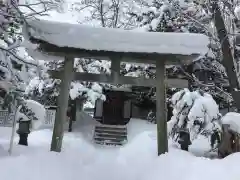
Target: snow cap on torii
(83,37)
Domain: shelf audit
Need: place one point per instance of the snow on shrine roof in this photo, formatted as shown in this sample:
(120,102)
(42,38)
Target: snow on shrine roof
(117,40)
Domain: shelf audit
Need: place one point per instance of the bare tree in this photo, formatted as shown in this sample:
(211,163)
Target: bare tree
(108,13)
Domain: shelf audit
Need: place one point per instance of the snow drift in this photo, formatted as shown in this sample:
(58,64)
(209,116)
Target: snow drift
(137,160)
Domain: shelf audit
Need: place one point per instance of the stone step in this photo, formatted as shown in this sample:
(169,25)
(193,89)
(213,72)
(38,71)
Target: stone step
(110,134)
(110,131)
(109,128)
(109,143)
(110,138)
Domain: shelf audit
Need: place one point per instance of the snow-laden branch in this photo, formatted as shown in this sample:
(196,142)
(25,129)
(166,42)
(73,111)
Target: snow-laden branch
(200,84)
(17,57)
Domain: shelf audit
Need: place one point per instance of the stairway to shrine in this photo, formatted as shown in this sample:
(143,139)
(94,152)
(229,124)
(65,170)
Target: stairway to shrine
(110,134)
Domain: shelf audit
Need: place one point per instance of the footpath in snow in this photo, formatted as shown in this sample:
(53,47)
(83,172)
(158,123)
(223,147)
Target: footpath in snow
(83,160)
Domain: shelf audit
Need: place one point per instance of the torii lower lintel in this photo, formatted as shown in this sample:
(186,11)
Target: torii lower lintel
(136,81)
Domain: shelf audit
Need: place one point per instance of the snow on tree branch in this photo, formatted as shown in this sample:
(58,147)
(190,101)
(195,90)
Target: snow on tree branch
(194,112)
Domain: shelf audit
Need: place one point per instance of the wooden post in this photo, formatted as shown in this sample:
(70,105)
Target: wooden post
(17,108)
(161,110)
(115,69)
(70,125)
(72,115)
(115,65)
(62,106)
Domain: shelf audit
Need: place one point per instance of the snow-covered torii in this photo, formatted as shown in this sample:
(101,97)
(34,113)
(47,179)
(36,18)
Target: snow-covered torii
(76,41)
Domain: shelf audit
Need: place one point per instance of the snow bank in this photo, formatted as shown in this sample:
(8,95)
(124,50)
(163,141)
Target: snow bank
(138,126)
(137,160)
(117,40)
(232,119)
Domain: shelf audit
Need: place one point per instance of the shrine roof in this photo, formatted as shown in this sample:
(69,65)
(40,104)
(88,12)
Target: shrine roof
(83,37)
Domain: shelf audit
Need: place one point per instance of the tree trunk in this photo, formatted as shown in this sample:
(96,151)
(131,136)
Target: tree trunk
(228,58)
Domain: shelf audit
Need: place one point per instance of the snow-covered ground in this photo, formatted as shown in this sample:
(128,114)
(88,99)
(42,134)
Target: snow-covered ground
(83,160)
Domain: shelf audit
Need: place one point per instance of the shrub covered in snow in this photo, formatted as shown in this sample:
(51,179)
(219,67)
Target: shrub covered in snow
(33,111)
(195,112)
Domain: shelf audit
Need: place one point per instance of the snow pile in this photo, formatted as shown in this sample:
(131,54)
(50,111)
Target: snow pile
(138,126)
(117,40)
(39,112)
(85,124)
(137,160)
(233,120)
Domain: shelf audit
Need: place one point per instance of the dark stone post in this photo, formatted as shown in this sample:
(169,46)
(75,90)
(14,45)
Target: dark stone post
(23,131)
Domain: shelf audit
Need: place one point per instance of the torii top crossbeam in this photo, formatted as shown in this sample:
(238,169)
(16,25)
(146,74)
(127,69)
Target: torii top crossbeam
(84,41)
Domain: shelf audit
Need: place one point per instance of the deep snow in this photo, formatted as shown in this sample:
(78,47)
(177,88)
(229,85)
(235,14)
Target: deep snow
(83,160)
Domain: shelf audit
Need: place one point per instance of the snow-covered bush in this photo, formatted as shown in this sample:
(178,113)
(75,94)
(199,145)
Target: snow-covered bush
(33,111)
(195,112)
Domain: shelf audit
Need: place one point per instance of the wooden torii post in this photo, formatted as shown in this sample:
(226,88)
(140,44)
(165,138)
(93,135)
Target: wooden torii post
(79,41)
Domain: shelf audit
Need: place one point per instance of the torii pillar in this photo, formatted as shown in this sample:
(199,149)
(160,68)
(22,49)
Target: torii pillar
(161,115)
(61,113)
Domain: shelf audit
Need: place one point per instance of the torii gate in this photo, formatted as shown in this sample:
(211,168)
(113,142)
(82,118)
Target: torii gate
(77,41)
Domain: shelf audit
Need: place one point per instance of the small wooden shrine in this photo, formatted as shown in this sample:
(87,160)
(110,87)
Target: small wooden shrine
(116,109)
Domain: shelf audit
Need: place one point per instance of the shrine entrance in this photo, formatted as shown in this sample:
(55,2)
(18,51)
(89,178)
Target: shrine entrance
(115,110)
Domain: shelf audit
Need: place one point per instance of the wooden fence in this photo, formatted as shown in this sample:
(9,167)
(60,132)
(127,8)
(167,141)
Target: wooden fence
(6,119)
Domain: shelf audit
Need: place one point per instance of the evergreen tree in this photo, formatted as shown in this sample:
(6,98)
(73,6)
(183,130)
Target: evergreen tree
(16,66)
(206,72)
